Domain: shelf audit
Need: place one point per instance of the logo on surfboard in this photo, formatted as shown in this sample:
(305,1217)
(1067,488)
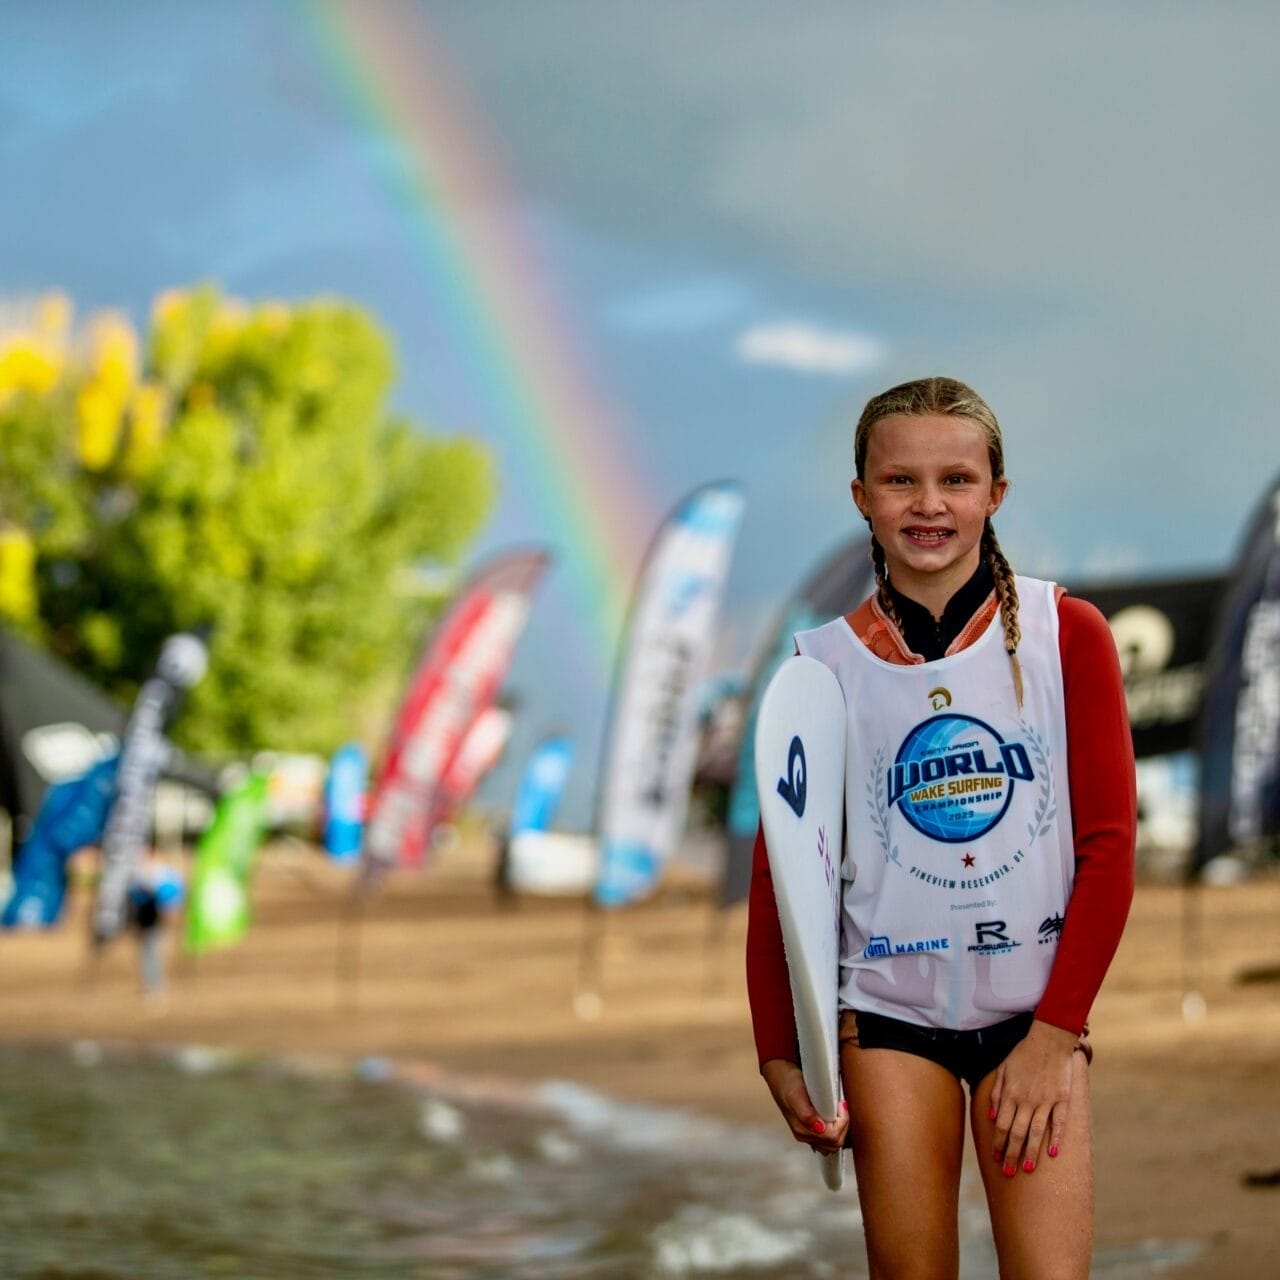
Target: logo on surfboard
(794,788)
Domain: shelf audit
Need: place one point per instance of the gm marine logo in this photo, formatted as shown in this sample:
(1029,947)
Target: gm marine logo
(879,946)
(953,777)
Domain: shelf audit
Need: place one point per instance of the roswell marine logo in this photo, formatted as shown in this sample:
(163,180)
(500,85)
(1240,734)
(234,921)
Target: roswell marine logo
(954,777)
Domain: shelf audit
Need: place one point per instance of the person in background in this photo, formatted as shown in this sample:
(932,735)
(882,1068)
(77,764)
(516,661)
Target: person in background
(155,894)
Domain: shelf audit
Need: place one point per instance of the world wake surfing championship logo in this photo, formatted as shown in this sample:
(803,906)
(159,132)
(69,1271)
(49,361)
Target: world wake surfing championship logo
(954,777)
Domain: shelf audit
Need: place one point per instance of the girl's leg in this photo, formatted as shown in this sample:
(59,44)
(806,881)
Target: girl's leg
(906,1117)
(1042,1221)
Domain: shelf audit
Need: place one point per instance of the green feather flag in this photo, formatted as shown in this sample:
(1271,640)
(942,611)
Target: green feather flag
(218,912)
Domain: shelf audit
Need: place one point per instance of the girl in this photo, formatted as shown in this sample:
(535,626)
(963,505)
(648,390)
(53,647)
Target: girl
(990,819)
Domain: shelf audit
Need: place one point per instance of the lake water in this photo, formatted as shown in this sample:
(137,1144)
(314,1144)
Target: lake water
(193,1163)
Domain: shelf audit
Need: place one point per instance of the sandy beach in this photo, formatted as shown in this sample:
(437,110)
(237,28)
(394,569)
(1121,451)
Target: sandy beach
(443,978)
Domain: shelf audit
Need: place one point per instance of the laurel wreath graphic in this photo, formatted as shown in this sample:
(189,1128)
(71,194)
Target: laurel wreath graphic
(1046,804)
(879,809)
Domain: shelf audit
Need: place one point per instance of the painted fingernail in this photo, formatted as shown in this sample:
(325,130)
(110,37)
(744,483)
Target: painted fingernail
(991,1113)
(819,1126)
(844,1106)
(1009,1170)
(997,1156)
(1053,1151)
(1029,1166)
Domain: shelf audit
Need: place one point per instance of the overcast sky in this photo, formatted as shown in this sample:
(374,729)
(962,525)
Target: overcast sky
(756,215)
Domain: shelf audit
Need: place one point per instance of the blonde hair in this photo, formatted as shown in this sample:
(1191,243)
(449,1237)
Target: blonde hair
(949,398)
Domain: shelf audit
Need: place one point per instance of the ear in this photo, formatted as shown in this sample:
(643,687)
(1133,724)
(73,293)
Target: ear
(859,491)
(998,489)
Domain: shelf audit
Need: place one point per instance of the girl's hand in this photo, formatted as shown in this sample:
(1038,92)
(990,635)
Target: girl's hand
(786,1083)
(1030,1097)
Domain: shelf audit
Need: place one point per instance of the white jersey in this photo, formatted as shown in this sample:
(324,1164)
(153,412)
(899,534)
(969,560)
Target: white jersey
(958,846)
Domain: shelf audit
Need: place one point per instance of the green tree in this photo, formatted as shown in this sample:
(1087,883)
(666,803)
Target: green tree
(244,474)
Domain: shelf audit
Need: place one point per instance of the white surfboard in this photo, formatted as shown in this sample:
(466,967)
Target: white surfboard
(800,742)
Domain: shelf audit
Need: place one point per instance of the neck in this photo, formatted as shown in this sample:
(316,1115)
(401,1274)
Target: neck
(932,591)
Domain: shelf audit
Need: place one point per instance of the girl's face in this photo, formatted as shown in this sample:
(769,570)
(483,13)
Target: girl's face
(927,491)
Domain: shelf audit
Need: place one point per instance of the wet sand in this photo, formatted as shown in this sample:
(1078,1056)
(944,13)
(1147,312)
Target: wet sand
(442,977)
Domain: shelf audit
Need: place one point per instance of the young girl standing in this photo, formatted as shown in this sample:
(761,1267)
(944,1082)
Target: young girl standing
(990,819)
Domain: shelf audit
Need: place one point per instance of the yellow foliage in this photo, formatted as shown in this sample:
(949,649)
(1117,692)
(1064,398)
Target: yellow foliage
(201,396)
(53,318)
(274,317)
(27,366)
(17,575)
(169,307)
(225,328)
(98,418)
(32,359)
(148,417)
(113,354)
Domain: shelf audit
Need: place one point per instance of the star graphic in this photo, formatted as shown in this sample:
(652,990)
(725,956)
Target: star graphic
(968,859)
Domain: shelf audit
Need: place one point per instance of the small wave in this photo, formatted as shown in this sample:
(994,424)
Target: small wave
(440,1121)
(700,1240)
(635,1127)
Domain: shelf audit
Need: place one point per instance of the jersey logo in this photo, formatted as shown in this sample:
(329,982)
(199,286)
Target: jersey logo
(794,788)
(939,698)
(954,777)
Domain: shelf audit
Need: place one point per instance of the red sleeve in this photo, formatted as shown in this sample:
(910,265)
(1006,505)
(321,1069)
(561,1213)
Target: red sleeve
(773,1016)
(1104,814)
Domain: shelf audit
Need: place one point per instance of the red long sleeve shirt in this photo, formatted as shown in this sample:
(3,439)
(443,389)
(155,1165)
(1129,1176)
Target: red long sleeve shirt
(1103,819)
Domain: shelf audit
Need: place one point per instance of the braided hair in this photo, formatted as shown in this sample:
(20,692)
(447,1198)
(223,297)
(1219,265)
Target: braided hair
(950,398)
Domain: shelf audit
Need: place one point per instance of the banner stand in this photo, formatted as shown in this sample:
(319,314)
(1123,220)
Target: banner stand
(587,1002)
(713,936)
(350,950)
(1194,1007)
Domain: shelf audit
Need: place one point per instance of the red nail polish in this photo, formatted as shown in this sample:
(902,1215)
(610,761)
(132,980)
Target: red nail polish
(1009,1171)
(1028,1166)
(1053,1151)
(991,1113)
(819,1127)
(997,1156)
(844,1106)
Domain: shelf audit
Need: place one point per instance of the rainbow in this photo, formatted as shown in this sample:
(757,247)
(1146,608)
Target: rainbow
(516,351)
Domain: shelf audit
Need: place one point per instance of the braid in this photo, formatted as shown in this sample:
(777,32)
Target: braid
(1007,594)
(882,583)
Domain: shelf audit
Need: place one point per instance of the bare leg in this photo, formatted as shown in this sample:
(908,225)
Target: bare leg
(1042,1221)
(906,1115)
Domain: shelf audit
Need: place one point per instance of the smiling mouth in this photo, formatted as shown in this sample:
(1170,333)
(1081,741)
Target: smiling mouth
(929,537)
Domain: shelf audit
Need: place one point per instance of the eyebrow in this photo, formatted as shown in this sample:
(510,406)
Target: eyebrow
(892,465)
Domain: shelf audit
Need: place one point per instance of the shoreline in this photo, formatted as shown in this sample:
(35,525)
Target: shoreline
(444,981)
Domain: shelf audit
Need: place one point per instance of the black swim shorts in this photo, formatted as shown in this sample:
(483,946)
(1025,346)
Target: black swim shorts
(968,1055)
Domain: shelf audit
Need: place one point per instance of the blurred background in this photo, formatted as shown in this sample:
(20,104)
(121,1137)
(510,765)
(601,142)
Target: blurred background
(312,314)
(624,249)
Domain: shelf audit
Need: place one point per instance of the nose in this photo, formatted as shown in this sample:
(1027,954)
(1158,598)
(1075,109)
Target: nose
(929,500)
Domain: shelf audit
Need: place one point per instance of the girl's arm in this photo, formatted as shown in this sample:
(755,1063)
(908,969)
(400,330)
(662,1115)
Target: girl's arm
(773,1016)
(1104,815)
(1030,1097)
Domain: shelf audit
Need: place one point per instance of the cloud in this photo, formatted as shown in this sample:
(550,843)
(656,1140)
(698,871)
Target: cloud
(806,348)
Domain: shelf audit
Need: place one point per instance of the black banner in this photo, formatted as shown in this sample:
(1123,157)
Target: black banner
(1162,630)
(1239,733)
